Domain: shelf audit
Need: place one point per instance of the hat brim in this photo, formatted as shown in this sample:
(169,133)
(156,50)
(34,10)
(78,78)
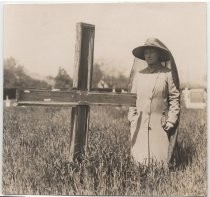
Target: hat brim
(139,53)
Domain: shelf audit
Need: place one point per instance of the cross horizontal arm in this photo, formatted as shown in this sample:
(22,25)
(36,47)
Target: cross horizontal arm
(73,97)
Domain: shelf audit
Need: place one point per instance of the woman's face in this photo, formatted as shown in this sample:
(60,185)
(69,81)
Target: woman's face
(151,56)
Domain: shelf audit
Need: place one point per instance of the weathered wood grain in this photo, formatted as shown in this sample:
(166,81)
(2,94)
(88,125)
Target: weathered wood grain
(74,97)
(82,81)
(83,56)
(81,97)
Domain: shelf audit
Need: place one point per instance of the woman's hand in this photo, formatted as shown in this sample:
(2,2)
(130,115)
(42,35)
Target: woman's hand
(168,126)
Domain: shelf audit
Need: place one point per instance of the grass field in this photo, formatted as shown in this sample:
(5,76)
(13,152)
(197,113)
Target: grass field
(36,156)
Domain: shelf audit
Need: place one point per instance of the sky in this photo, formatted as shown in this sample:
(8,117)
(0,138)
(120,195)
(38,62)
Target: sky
(42,36)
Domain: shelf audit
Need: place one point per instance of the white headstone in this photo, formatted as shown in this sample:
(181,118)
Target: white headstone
(8,102)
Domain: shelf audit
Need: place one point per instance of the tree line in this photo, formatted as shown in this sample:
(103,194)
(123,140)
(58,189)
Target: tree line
(15,76)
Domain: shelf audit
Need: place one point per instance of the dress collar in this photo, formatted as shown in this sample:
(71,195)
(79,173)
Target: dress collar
(152,69)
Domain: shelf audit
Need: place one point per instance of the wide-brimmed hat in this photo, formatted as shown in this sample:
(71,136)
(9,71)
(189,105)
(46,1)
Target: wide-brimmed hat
(154,43)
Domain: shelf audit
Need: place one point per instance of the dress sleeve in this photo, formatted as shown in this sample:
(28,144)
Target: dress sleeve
(133,110)
(174,100)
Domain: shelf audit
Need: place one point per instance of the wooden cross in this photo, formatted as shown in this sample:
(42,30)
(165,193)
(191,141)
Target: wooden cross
(81,96)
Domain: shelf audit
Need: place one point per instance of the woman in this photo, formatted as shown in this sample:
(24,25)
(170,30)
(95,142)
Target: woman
(155,117)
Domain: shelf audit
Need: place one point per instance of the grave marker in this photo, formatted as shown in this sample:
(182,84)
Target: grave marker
(81,97)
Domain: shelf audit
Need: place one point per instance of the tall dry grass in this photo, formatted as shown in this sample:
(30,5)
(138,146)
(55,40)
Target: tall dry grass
(36,156)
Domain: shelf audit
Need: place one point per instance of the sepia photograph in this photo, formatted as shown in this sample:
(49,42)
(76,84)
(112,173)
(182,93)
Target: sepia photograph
(105,99)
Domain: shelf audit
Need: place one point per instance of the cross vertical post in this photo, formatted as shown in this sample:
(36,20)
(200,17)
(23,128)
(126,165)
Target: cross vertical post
(82,81)
(80,96)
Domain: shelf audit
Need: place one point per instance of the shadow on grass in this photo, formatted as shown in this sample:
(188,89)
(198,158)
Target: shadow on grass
(183,154)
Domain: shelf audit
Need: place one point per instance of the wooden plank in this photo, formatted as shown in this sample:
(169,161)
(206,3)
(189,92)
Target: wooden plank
(79,134)
(83,56)
(77,55)
(74,97)
(82,81)
(118,90)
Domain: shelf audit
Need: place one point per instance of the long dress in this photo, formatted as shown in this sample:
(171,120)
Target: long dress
(157,98)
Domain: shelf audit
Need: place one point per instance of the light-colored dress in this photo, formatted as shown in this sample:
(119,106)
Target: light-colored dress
(156,95)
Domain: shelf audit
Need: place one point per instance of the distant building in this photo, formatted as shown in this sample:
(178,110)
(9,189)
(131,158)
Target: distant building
(195,98)
(102,84)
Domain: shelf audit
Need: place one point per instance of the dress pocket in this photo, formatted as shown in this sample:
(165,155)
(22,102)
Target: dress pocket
(164,119)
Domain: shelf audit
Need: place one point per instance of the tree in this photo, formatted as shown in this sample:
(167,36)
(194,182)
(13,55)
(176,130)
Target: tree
(9,79)
(15,76)
(9,74)
(63,80)
(97,75)
(119,81)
